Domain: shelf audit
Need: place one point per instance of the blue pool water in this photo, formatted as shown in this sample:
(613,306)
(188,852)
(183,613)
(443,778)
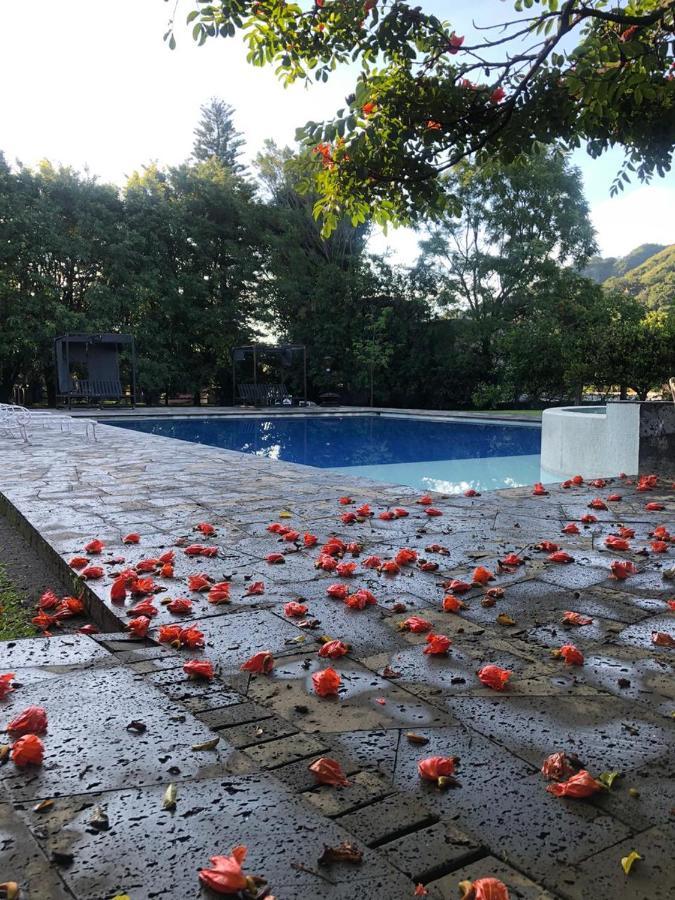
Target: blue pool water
(448,456)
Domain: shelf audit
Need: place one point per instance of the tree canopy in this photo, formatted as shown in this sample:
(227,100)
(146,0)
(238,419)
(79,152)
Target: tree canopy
(425,98)
(216,136)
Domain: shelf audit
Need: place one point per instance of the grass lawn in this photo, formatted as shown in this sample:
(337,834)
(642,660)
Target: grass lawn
(14,617)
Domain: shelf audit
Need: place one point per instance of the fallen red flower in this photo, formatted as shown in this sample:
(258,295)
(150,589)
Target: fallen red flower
(659,546)
(662,639)
(326,562)
(33,720)
(416,625)
(622,570)
(576,619)
(255,588)
(406,557)
(577,480)
(199,668)
(166,571)
(225,875)
(219,593)
(199,582)
(570,654)
(348,518)
(660,533)
(261,663)
(118,590)
(495,593)
(547,546)
(94,546)
(457,587)
(345,501)
(578,786)
(275,559)
(481,576)
(432,511)
(364,511)
(571,528)
(326,682)
(372,562)
(337,591)
(48,600)
(191,637)
(471,493)
(328,771)
(614,498)
(614,542)
(452,604)
(44,621)
(92,572)
(78,562)
(28,750)
(70,606)
(139,626)
(425,500)
(654,507)
(346,569)
(141,586)
(169,634)
(310,540)
(205,528)
(539,490)
(275,528)
(434,767)
(561,556)
(360,599)
(400,512)
(510,560)
(201,550)
(588,519)
(390,567)
(181,606)
(132,538)
(295,610)
(144,608)
(146,566)
(88,629)
(291,536)
(426,566)
(354,548)
(387,516)
(484,889)
(6,684)
(598,483)
(556,767)
(167,558)
(333,650)
(494,677)
(437,645)
(597,503)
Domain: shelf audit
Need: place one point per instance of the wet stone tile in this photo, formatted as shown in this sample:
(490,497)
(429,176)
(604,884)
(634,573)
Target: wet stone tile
(501,803)
(280,752)
(364,787)
(386,819)
(61,650)
(640,635)
(622,672)
(601,875)
(355,707)
(370,747)
(519,886)
(425,854)
(606,733)
(21,860)
(88,747)
(210,818)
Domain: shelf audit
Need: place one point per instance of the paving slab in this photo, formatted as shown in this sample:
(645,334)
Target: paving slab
(22,861)
(606,734)
(430,852)
(211,817)
(502,803)
(364,701)
(384,820)
(59,652)
(519,886)
(88,747)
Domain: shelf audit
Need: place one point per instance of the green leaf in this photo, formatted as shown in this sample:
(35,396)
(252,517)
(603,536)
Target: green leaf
(608,778)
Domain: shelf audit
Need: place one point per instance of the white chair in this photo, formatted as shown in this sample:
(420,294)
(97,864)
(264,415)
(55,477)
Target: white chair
(32,417)
(11,425)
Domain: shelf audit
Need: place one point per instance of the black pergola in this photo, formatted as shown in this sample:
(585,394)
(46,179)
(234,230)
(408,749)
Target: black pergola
(265,393)
(98,356)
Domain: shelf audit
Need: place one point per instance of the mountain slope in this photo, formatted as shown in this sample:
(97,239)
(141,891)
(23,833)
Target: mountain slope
(652,282)
(601,268)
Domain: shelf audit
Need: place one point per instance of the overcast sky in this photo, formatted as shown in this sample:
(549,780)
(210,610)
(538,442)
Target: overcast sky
(91,83)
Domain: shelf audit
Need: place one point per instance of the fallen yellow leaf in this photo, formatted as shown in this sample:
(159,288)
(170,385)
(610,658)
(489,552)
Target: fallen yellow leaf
(627,861)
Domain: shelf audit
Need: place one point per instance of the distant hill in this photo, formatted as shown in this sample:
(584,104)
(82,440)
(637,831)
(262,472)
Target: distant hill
(652,282)
(601,268)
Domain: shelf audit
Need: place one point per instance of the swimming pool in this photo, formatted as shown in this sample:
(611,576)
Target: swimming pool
(442,455)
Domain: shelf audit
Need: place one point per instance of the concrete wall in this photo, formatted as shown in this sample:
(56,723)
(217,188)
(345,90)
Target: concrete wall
(657,439)
(598,442)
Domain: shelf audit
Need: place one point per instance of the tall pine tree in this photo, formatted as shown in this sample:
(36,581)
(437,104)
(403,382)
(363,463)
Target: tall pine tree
(215,135)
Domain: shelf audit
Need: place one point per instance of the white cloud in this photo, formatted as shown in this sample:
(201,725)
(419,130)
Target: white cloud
(643,216)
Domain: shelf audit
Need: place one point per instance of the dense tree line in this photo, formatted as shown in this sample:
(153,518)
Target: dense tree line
(198,258)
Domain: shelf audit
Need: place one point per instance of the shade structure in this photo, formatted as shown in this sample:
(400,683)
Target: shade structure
(265,394)
(88,366)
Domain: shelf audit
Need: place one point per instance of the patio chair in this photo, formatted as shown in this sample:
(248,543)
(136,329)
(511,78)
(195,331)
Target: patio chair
(11,424)
(33,417)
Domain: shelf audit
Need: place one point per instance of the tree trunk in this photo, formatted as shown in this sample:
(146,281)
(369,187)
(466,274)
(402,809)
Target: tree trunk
(623,392)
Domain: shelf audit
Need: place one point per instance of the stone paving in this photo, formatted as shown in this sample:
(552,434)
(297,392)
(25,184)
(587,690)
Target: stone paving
(106,831)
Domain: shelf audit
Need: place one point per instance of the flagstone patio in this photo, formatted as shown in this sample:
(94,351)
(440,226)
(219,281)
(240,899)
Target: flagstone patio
(107,832)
